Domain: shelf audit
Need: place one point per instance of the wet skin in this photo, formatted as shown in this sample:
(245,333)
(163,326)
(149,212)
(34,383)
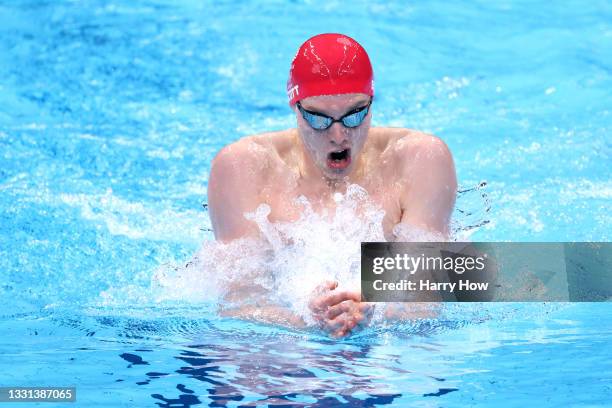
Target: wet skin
(409,174)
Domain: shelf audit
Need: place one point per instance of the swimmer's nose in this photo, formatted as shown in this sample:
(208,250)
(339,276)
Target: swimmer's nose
(338,134)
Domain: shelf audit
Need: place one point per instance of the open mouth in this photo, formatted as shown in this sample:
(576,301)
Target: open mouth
(340,159)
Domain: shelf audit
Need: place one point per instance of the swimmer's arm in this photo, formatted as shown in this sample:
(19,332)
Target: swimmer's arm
(233,189)
(406,311)
(428,184)
(250,301)
(270,314)
(428,191)
(336,312)
(427,203)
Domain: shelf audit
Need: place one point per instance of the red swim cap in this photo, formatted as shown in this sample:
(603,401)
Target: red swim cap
(329,64)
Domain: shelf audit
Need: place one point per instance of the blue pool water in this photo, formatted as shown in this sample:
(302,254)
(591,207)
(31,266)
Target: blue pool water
(110,113)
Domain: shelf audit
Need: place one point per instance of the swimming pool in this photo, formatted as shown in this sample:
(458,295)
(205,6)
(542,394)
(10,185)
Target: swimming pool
(110,113)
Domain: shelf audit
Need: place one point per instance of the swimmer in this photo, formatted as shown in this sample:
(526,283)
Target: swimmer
(409,174)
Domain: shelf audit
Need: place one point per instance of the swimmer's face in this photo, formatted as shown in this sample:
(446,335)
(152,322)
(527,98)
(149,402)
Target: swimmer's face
(335,149)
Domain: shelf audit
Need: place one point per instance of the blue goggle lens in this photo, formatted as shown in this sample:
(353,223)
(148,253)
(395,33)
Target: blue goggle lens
(355,119)
(317,121)
(321,122)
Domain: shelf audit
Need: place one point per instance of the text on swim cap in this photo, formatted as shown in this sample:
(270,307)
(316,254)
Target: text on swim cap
(293,91)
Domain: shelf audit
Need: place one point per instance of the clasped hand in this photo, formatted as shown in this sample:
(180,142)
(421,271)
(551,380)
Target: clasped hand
(339,312)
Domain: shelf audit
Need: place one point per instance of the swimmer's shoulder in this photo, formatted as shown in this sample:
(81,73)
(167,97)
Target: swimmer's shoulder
(278,148)
(249,149)
(252,155)
(403,143)
(237,161)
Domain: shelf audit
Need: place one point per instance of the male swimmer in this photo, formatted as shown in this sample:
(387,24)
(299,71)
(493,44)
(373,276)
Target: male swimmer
(409,174)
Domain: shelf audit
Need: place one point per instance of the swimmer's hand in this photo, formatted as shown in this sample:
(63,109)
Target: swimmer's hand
(339,312)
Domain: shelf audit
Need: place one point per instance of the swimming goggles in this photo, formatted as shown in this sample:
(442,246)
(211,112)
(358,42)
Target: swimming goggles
(318,121)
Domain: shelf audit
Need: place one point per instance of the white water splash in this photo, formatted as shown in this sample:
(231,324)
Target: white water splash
(288,261)
(318,248)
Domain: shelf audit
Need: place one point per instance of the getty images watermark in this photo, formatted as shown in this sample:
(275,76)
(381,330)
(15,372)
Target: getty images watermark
(479,271)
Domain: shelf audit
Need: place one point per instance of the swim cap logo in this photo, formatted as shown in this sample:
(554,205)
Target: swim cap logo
(329,64)
(295,91)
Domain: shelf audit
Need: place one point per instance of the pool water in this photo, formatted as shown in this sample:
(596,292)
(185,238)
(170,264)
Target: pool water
(111,112)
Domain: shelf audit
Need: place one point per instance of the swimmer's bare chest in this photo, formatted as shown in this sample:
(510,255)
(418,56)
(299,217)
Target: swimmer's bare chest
(286,206)
(282,186)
